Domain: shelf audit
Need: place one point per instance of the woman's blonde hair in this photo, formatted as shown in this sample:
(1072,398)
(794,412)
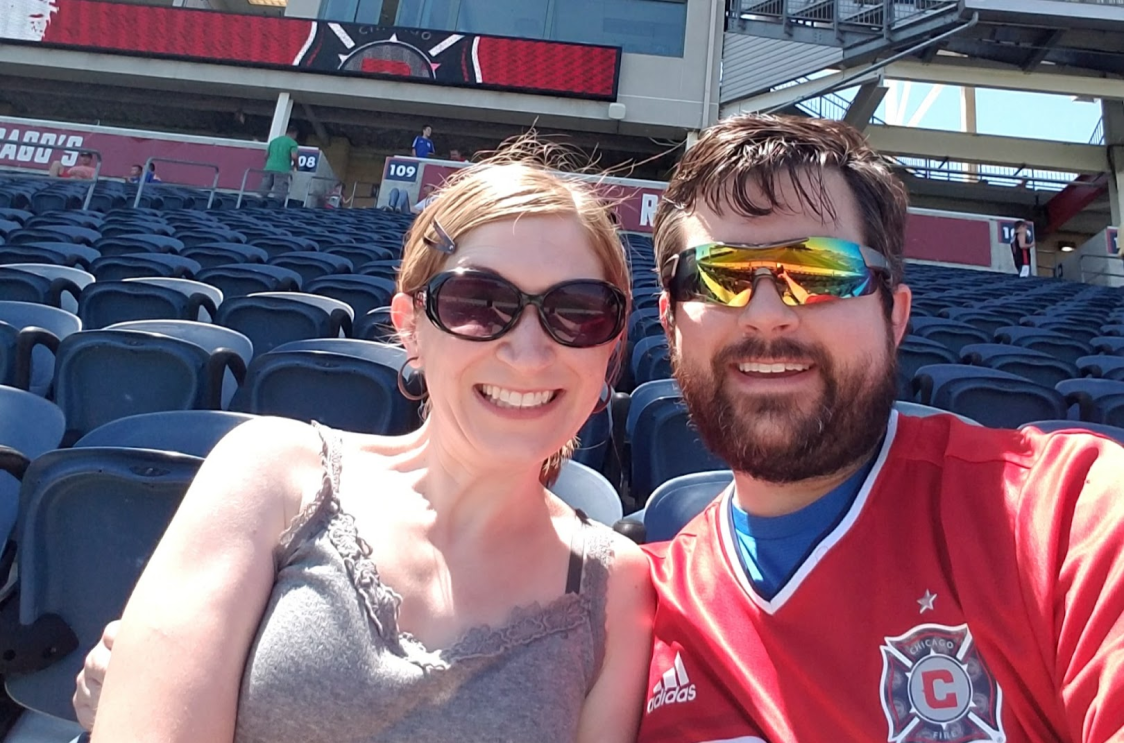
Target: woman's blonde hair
(520,180)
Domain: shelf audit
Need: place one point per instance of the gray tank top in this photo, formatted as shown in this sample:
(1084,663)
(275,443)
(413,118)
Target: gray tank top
(330,664)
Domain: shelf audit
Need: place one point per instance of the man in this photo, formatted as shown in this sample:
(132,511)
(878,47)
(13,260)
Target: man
(456,156)
(423,145)
(1021,244)
(281,157)
(149,177)
(83,171)
(867,576)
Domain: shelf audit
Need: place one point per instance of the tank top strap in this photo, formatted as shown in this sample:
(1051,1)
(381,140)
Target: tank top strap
(325,504)
(597,558)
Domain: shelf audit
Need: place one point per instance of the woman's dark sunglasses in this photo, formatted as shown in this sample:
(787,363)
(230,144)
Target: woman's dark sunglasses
(482,306)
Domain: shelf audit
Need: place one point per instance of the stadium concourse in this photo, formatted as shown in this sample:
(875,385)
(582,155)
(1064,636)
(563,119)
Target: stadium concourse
(132,339)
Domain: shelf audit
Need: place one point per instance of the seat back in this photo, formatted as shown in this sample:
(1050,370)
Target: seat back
(585,489)
(39,327)
(1105,367)
(193,432)
(680,499)
(664,445)
(92,519)
(1097,400)
(915,352)
(271,320)
(106,303)
(243,279)
(361,293)
(108,374)
(1036,366)
(949,333)
(1055,344)
(994,398)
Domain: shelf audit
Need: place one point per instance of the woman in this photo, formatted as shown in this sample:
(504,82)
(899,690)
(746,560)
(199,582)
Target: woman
(317,586)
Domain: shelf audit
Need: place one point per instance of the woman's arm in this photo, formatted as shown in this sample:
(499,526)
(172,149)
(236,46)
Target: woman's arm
(179,653)
(612,709)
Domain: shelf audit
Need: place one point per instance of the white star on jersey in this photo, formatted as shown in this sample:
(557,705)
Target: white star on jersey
(926,602)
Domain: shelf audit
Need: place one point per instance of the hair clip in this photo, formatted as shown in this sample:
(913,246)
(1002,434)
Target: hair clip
(443,243)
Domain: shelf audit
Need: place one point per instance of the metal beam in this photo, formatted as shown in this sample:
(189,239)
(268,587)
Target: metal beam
(1007,78)
(317,127)
(986,148)
(777,99)
(864,104)
(1038,55)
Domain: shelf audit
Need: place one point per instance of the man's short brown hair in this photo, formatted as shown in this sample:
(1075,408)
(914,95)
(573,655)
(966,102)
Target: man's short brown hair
(760,150)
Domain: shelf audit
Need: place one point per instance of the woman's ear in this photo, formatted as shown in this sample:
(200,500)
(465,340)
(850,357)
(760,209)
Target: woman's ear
(404,315)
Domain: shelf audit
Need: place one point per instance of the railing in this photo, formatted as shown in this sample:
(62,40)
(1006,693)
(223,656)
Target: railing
(143,180)
(874,15)
(1097,137)
(29,151)
(993,175)
(1108,274)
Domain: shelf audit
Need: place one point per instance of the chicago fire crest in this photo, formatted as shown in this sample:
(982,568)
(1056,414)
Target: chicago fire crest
(936,687)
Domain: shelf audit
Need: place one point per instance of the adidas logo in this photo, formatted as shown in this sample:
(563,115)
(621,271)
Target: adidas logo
(673,688)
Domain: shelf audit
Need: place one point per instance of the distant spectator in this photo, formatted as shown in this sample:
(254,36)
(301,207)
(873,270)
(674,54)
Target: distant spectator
(335,198)
(1021,244)
(280,159)
(430,196)
(83,171)
(423,145)
(149,177)
(398,200)
(457,156)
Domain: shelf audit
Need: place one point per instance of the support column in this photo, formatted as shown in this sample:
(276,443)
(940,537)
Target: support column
(692,139)
(281,113)
(968,123)
(1112,113)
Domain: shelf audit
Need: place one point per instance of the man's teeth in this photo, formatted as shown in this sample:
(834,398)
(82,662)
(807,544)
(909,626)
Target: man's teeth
(510,399)
(774,368)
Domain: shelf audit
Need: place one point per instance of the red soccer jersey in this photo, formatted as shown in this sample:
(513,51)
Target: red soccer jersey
(973,592)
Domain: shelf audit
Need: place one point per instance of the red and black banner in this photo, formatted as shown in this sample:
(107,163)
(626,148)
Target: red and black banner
(436,57)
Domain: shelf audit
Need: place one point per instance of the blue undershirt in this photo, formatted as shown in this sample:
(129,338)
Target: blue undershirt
(773,548)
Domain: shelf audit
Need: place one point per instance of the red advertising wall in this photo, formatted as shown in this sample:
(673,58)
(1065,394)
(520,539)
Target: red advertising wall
(950,239)
(44,142)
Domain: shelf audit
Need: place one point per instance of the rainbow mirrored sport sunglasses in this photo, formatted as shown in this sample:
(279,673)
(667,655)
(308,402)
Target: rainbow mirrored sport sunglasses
(806,271)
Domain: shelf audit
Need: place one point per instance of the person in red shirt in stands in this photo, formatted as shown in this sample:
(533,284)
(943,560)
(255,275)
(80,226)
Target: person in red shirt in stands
(868,576)
(83,171)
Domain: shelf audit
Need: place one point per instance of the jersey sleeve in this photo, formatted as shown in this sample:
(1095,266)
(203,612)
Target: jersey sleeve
(1071,539)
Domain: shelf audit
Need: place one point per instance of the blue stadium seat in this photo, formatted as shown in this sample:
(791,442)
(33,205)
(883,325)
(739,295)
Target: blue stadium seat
(24,284)
(664,445)
(29,337)
(915,352)
(1106,367)
(1056,344)
(1097,400)
(917,410)
(1112,329)
(138,265)
(29,426)
(360,254)
(986,321)
(220,254)
(680,499)
(361,293)
(243,279)
(583,488)
(949,333)
(312,265)
(55,233)
(994,398)
(1113,432)
(385,269)
(281,245)
(92,518)
(595,440)
(645,394)
(105,303)
(376,325)
(67,254)
(275,318)
(1036,366)
(341,382)
(1107,344)
(102,375)
(193,432)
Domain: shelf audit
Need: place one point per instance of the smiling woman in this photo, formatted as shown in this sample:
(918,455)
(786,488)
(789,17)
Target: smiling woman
(323,586)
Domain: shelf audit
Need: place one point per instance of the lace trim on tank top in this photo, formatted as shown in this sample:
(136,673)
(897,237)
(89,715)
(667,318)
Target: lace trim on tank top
(525,624)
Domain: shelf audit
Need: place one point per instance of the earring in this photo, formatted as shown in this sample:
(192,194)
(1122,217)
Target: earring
(413,389)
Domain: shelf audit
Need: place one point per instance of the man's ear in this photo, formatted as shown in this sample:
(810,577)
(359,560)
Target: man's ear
(667,318)
(902,298)
(404,315)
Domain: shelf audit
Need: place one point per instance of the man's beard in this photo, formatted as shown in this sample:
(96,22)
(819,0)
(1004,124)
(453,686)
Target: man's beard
(776,438)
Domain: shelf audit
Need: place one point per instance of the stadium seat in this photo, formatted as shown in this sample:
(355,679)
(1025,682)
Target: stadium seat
(1056,344)
(92,518)
(917,410)
(68,299)
(312,265)
(595,440)
(385,269)
(212,339)
(585,489)
(375,325)
(949,333)
(1097,400)
(642,396)
(1113,432)
(219,254)
(986,321)
(190,289)
(994,398)
(281,245)
(341,382)
(105,303)
(138,265)
(361,293)
(273,318)
(243,279)
(1108,345)
(1036,366)
(664,445)
(1105,367)
(24,285)
(129,244)
(29,337)
(915,352)
(360,254)
(193,432)
(680,499)
(102,375)
(67,254)
(29,426)
(54,233)
(1113,329)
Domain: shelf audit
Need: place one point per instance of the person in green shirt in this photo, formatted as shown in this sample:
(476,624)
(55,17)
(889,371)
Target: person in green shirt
(280,159)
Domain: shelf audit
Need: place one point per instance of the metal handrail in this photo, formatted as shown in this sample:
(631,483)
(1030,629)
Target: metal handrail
(999,175)
(1109,259)
(263,171)
(144,177)
(78,150)
(308,187)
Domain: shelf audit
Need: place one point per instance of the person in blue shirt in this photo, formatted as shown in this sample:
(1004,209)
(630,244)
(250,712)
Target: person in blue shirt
(423,145)
(149,177)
